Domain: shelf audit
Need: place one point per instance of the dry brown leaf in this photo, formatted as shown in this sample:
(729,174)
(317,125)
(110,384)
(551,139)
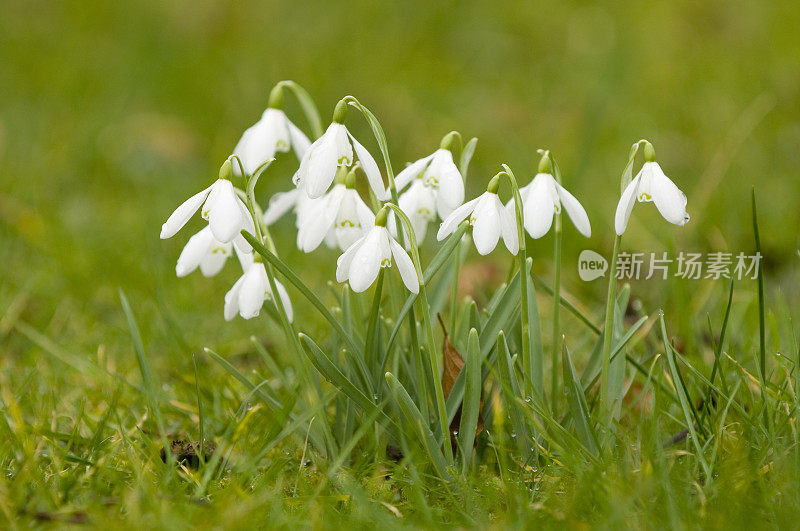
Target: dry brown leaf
(452,363)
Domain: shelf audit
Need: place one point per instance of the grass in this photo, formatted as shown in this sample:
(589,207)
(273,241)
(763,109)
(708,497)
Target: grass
(111,114)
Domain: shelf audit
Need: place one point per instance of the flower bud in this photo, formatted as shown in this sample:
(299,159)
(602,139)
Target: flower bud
(545,164)
(380,217)
(340,112)
(494,184)
(226,170)
(350,179)
(649,152)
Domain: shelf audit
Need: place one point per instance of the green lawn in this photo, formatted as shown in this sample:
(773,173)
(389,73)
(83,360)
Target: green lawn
(112,113)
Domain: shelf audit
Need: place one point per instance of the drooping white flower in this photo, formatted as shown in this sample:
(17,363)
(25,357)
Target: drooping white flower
(248,294)
(419,204)
(283,202)
(362,261)
(490,220)
(209,254)
(439,173)
(334,149)
(542,198)
(341,215)
(272,133)
(226,214)
(651,185)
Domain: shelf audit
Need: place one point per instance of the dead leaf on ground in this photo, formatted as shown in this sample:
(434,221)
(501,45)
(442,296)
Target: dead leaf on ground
(452,363)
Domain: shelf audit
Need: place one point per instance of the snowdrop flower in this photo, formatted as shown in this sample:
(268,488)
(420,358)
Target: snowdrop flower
(419,204)
(543,197)
(489,219)
(283,202)
(209,254)
(651,185)
(340,215)
(439,174)
(226,214)
(248,294)
(362,261)
(272,133)
(333,149)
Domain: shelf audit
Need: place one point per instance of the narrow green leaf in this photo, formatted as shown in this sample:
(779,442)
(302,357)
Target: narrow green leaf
(332,373)
(439,259)
(472,399)
(511,388)
(144,366)
(466,157)
(577,403)
(686,407)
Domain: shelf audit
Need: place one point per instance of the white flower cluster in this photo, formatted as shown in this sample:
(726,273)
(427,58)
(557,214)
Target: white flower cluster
(329,208)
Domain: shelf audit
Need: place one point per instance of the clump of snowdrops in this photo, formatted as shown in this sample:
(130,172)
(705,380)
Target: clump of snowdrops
(482,395)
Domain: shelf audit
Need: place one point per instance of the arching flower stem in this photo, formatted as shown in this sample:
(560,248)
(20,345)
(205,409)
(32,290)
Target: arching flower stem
(606,402)
(527,363)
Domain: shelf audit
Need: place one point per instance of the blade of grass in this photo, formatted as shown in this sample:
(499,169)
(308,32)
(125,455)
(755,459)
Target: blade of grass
(686,406)
(332,373)
(577,402)
(144,368)
(472,399)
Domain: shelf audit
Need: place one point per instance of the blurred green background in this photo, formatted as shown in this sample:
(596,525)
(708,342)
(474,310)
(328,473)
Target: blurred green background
(112,113)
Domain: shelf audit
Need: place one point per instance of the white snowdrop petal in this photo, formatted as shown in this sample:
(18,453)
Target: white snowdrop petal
(344,151)
(346,236)
(508,228)
(280,204)
(321,167)
(214,260)
(486,224)
(193,252)
(457,216)
(371,170)
(451,187)
(575,211)
(404,266)
(410,172)
(319,221)
(366,262)
(253,291)
(183,214)
(247,225)
(669,199)
(224,214)
(625,205)
(245,259)
(300,176)
(232,300)
(256,147)
(278,126)
(538,208)
(346,259)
